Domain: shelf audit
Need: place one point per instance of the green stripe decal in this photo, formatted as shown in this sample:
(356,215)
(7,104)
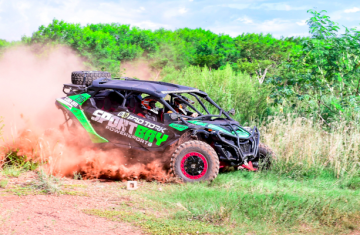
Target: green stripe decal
(217,128)
(95,138)
(80,115)
(178,126)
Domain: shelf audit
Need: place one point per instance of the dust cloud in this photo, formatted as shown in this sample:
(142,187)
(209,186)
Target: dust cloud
(140,69)
(29,84)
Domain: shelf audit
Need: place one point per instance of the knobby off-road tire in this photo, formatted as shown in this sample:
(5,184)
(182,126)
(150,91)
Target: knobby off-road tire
(195,161)
(265,157)
(77,77)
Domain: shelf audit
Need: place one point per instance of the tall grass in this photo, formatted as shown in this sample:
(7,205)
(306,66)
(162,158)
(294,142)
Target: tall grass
(305,148)
(227,88)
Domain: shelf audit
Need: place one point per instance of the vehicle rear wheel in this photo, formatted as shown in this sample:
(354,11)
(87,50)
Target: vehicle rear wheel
(195,161)
(77,77)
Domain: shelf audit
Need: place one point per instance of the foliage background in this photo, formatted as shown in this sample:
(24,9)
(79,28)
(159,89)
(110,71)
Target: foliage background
(313,76)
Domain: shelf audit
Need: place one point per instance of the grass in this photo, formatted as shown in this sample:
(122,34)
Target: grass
(157,225)
(12,171)
(304,149)
(13,164)
(4,183)
(74,193)
(24,191)
(243,202)
(47,183)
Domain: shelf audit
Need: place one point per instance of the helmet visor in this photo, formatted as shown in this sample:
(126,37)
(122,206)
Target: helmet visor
(152,104)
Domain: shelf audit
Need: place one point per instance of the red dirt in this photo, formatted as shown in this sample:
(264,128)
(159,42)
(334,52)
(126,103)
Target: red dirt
(50,214)
(43,214)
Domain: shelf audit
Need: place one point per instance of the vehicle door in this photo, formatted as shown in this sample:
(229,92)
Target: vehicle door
(102,111)
(121,126)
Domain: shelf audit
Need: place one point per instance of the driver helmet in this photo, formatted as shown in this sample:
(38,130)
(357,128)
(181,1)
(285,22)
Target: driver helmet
(181,105)
(148,103)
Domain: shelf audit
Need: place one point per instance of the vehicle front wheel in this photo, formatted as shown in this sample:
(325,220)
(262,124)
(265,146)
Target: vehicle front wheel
(265,157)
(195,161)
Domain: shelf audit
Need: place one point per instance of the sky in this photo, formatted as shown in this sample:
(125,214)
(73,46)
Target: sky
(233,17)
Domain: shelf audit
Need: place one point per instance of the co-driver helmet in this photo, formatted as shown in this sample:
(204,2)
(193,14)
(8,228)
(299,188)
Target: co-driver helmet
(181,105)
(148,103)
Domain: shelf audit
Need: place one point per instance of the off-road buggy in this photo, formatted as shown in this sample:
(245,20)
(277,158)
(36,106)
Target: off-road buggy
(196,146)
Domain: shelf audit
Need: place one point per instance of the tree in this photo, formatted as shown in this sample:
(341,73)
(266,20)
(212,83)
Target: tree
(325,72)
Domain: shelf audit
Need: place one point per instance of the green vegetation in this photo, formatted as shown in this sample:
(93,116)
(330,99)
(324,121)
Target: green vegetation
(227,88)
(12,171)
(3,183)
(3,44)
(304,149)
(47,183)
(157,225)
(14,159)
(23,190)
(241,202)
(106,45)
(315,76)
(13,164)
(322,79)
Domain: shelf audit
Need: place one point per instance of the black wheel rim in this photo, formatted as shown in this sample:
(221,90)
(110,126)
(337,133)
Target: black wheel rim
(194,165)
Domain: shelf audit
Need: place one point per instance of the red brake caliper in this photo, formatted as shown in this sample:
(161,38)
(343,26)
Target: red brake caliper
(249,166)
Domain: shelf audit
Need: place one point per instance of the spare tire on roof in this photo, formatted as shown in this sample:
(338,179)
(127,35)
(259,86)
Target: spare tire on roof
(77,77)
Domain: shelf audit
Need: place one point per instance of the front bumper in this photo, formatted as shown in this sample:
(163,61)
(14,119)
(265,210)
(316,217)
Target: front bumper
(235,148)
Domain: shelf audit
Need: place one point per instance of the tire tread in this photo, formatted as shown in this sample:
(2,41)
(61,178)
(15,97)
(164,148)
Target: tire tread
(205,147)
(77,77)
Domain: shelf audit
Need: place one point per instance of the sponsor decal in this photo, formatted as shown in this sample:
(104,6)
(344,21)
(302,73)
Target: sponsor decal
(80,99)
(147,123)
(75,100)
(178,126)
(71,102)
(123,114)
(140,130)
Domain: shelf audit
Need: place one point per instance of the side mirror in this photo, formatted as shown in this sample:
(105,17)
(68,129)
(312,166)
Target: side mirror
(232,112)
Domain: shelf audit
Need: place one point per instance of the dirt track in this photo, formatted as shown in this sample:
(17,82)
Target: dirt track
(42,214)
(50,214)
